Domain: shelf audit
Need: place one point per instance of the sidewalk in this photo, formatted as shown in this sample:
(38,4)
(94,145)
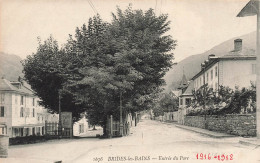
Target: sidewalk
(202,131)
(253,141)
(205,132)
(250,141)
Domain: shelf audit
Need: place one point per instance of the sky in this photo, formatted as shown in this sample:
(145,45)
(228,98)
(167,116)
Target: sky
(197,25)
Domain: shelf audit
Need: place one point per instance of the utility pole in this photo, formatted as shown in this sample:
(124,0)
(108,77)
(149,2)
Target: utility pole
(121,116)
(204,92)
(59,125)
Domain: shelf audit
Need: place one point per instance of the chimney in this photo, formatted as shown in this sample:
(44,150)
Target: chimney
(210,57)
(237,44)
(203,65)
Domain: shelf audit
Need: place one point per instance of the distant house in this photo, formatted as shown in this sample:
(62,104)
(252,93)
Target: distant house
(237,68)
(185,97)
(20,113)
(175,93)
(81,127)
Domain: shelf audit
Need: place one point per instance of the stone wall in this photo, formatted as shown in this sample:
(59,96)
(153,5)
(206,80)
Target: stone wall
(194,121)
(235,124)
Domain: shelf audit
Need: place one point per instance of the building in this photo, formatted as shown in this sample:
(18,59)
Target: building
(237,68)
(175,93)
(20,113)
(81,127)
(185,99)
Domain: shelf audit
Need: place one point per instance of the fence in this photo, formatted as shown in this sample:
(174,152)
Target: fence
(51,128)
(113,127)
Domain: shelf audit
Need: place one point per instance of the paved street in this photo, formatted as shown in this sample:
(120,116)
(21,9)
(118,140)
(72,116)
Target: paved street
(150,141)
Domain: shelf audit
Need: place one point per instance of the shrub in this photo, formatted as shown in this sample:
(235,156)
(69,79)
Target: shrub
(225,101)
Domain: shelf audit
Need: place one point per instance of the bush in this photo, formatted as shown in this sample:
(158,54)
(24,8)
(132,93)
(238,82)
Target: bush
(28,140)
(227,101)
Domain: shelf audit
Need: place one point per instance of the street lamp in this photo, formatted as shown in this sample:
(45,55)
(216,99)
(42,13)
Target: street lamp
(250,9)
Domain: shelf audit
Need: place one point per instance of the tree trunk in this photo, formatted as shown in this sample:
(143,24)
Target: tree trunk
(105,130)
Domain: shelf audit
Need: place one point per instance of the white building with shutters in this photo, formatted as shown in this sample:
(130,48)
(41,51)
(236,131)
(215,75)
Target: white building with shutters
(237,68)
(20,113)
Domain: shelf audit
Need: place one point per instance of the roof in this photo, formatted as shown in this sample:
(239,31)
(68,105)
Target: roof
(250,9)
(188,91)
(175,93)
(184,82)
(246,54)
(6,85)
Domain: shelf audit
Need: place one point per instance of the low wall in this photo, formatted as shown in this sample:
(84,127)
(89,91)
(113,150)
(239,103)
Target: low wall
(235,124)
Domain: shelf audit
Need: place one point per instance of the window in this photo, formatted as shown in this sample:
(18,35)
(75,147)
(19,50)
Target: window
(2,130)
(21,112)
(2,111)
(81,128)
(187,101)
(253,68)
(2,98)
(26,131)
(21,102)
(211,75)
(33,113)
(181,101)
(207,77)
(216,71)
(15,99)
(33,102)
(21,130)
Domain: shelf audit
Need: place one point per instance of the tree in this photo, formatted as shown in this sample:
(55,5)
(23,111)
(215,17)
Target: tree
(43,71)
(166,103)
(129,56)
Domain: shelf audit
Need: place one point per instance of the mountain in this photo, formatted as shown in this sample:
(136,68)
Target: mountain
(191,65)
(10,66)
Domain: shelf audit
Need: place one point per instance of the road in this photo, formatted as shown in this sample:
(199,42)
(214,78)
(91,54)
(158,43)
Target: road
(149,142)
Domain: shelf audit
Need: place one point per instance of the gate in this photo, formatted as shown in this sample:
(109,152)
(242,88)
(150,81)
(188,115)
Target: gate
(113,127)
(51,128)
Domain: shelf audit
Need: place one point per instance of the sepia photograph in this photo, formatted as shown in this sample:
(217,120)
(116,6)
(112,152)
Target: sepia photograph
(129,81)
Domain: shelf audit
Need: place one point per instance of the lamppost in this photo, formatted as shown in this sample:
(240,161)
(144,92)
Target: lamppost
(250,9)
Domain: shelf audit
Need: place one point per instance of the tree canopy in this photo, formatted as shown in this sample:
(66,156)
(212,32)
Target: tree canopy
(128,56)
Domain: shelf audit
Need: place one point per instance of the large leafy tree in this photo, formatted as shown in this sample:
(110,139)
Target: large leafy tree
(128,56)
(43,71)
